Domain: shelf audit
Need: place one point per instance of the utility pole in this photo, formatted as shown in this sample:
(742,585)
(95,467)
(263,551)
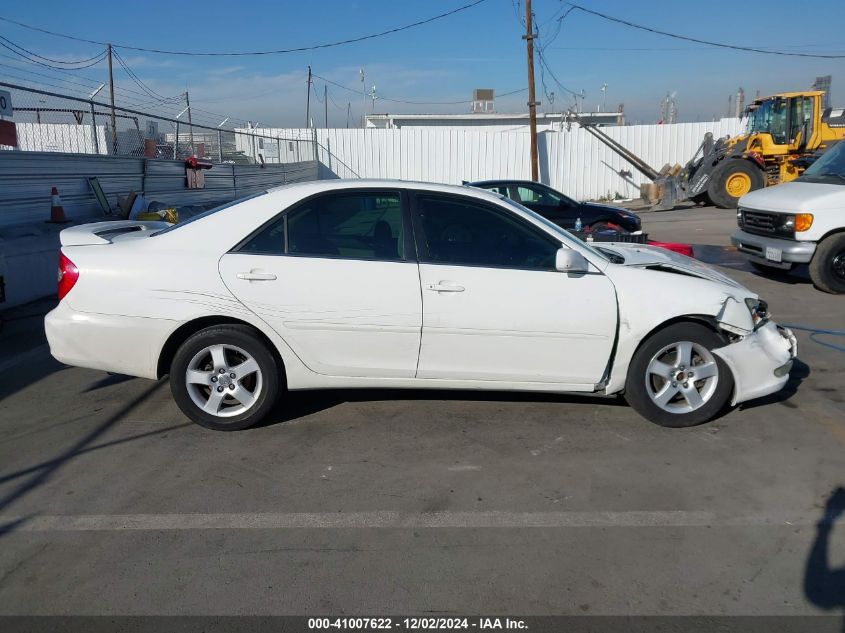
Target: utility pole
(348,108)
(532,104)
(190,125)
(113,117)
(326,103)
(363,92)
(308,101)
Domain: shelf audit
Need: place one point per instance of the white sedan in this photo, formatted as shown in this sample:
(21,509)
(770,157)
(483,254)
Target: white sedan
(345,284)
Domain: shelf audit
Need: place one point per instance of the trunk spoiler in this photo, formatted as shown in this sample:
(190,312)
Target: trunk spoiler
(105,232)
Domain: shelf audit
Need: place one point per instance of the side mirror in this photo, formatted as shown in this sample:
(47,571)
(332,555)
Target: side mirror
(570,261)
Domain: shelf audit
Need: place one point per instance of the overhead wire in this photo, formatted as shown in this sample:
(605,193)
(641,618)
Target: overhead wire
(298,49)
(142,85)
(10,47)
(24,52)
(687,38)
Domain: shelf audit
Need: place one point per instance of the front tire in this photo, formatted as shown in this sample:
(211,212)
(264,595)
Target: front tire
(224,378)
(702,199)
(827,268)
(733,179)
(675,380)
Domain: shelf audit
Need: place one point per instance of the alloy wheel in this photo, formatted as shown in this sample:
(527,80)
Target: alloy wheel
(223,380)
(682,377)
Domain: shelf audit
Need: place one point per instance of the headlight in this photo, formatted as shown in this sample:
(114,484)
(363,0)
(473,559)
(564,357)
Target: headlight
(796,223)
(759,311)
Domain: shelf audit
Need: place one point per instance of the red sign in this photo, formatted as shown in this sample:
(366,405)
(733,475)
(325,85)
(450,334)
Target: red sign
(8,133)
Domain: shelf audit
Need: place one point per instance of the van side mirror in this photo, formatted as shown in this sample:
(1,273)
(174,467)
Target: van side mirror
(568,260)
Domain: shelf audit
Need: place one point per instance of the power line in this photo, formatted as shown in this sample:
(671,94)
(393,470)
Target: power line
(246,53)
(93,82)
(142,85)
(11,47)
(97,57)
(652,49)
(686,38)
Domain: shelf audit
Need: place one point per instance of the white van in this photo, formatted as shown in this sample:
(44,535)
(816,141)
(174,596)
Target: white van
(799,222)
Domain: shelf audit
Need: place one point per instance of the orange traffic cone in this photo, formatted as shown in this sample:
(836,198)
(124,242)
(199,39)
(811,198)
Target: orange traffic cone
(57,212)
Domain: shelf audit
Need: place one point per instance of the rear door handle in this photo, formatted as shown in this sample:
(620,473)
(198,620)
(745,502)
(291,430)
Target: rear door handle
(256,275)
(445,286)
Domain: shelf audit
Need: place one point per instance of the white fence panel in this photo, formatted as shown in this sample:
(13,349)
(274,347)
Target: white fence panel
(572,161)
(61,137)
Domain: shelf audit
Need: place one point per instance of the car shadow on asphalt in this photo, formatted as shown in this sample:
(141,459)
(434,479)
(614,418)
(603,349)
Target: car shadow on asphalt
(299,404)
(42,472)
(824,586)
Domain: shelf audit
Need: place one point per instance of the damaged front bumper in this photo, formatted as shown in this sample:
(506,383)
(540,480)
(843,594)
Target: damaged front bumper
(760,362)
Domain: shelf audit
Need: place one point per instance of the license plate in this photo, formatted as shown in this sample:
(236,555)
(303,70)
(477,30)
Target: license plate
(774,254)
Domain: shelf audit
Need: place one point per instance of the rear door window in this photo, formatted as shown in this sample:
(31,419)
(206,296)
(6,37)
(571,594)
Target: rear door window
(365,225)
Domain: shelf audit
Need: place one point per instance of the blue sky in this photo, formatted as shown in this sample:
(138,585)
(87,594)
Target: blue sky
(441,61)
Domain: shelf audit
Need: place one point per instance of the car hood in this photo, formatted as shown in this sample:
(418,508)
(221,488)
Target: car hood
(607,208)
(653,257)
(795,197)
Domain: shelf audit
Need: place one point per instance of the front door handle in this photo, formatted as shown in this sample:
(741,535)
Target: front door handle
(256,275)
(445,286)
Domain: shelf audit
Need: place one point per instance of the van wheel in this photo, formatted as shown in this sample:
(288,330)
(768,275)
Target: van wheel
(224,378)
(675,380)
(827,268)
(733,179)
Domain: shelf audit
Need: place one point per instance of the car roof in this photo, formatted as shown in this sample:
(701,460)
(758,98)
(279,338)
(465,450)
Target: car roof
(505,181)
(311,187)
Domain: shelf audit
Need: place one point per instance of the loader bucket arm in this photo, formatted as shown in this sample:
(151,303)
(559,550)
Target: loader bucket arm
(643,167)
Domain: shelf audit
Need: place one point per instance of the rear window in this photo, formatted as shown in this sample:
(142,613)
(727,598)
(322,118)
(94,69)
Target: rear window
(209,212)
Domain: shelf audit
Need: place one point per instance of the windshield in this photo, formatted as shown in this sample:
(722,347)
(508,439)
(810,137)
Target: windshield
(209,212)
(770,117)
(564,235)
(830,168)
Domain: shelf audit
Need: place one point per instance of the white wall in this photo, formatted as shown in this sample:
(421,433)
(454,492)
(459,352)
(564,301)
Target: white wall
(572,161)
(61,137)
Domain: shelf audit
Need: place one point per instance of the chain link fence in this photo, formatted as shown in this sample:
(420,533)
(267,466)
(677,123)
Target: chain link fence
(51,122)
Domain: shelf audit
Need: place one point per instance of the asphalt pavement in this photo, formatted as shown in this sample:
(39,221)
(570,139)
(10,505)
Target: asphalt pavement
(112,503)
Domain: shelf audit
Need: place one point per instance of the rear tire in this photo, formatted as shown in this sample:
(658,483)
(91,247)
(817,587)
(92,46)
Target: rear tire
(827,268)
(733,179)
(224,378)
(661,367)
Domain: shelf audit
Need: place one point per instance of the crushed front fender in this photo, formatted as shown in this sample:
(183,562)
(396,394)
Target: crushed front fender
(760,362)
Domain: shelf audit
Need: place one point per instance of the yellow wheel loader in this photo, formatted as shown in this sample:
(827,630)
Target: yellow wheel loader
(785,134)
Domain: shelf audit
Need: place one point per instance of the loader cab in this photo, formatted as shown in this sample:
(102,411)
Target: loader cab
(782,124)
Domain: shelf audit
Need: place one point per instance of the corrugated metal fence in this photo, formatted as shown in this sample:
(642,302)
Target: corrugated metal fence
(572,161)
(27,177)
(29,246)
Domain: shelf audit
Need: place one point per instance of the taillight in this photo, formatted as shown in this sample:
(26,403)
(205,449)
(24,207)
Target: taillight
(68,274)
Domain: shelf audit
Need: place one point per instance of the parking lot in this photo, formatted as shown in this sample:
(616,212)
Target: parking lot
(425,502)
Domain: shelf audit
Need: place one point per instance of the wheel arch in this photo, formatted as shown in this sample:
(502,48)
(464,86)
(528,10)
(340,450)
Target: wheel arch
(188,329)
(706,320)
(835,231)
(701,319)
